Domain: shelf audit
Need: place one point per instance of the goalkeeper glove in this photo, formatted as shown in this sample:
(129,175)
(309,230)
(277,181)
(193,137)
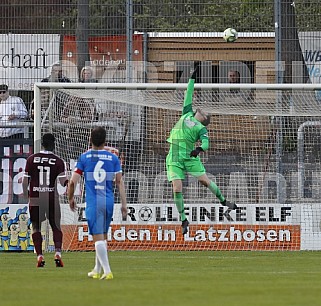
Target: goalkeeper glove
(196,69)
(195,152)
(230,205)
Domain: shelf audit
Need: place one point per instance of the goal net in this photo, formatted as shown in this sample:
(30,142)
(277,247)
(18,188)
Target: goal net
(264,155)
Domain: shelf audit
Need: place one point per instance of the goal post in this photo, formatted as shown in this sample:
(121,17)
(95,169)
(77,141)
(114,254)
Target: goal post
(264,154)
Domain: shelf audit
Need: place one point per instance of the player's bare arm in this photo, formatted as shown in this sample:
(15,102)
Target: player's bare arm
(25,185)
(122,193)
(71,190)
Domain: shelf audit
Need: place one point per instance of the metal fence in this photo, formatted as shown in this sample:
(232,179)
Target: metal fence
(278,41)
(106,33)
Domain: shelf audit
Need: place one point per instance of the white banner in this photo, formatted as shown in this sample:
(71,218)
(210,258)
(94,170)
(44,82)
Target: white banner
(15,233)
(311,49)
(27,58)
(200,213)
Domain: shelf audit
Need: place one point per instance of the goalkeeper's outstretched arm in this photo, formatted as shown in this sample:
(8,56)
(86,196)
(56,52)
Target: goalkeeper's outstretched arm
(188,99)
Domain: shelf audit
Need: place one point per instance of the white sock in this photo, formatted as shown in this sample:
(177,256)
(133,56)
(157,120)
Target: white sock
(101,253)
(97,267)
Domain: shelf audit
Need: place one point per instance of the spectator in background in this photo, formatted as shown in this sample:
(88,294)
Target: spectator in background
(78,114)
(78,110)
(87,75)
(234,77)
(12,111)
(46,95)
(56,75)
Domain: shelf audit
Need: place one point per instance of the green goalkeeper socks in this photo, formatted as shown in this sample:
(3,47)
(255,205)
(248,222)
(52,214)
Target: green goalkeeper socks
(179,201)
(215,190)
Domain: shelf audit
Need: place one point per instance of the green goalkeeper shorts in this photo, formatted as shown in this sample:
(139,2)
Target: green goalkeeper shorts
(176,169)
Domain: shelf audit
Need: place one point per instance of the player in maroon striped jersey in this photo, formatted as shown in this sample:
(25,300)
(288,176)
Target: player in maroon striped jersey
(40,183)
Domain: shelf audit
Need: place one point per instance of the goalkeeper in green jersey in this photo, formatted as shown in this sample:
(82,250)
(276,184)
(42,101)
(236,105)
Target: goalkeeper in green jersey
(183,156)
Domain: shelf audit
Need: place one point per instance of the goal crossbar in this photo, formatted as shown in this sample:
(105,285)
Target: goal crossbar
(166,86)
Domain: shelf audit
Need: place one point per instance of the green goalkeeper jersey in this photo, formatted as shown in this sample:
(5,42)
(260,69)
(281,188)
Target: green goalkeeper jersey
(187,131)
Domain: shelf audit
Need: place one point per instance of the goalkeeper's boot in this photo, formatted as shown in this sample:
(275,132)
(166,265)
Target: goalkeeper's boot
(40,262)
(230,205)
(58,261)
(94,274)
(185,224)
(107,276)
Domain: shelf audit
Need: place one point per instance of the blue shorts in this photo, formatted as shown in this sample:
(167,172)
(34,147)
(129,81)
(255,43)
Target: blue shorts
(99,218)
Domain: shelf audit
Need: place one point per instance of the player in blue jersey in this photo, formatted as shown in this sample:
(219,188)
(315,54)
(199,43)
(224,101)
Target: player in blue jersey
(101,169)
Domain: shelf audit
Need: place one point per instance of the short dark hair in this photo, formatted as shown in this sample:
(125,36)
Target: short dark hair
(48,141)
(98,136)
(4,87)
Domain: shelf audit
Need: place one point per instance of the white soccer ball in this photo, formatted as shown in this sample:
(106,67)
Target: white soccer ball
(230,35)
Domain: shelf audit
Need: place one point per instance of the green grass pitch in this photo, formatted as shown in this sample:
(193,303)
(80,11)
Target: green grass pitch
(158,278)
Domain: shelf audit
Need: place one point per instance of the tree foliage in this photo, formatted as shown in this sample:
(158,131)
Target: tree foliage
(108,17)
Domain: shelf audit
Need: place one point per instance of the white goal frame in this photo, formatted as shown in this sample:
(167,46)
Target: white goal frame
(305,213)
